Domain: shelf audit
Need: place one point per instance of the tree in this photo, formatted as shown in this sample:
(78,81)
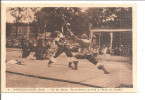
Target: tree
(111,17)
(51,19)
(80,24)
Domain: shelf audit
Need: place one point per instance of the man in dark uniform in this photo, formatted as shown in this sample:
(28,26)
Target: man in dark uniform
(45,47)
(25,47)
(31,46)
(39,49)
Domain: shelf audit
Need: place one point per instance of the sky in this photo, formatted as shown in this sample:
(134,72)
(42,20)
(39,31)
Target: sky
(9,18)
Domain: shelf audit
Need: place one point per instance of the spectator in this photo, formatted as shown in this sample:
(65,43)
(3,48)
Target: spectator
(39,48)
(25,48)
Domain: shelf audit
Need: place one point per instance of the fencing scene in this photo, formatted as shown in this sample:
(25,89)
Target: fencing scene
(69,47)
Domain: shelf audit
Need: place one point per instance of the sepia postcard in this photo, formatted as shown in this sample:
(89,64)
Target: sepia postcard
(69,47)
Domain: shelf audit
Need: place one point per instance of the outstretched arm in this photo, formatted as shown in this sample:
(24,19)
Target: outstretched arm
(75,37)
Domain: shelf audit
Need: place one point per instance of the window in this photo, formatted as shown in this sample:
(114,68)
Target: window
(19,30)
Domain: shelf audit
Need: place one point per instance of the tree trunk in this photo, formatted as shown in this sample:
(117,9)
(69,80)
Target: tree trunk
(16,30)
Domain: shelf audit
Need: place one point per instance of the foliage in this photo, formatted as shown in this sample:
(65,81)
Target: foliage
(110,17)
(50,19)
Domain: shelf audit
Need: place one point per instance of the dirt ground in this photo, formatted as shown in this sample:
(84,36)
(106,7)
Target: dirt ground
(120,69)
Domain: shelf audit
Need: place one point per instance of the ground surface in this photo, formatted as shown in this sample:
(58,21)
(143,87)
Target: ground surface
(36,73)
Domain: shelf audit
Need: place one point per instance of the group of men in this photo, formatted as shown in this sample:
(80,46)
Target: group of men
(41,51)
(60,41)
(40,48)
(85,52)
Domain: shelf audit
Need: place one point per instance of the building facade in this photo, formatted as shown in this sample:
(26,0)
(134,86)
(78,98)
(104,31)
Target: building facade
(19,30)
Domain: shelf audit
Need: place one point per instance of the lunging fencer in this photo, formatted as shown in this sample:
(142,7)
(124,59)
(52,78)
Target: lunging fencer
(62,47)
(85,52)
